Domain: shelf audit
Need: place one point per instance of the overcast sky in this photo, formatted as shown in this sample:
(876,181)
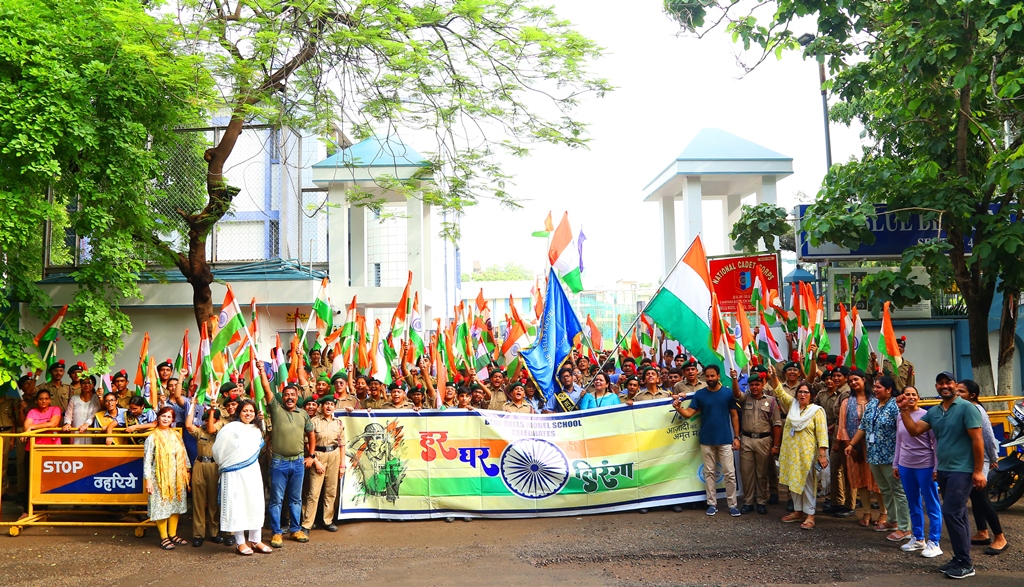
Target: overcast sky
(668,88)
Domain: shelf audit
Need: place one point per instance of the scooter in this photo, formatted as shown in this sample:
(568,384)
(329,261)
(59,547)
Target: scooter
(1006,479)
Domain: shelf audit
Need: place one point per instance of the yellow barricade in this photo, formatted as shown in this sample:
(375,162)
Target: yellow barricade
(94,475)
(998,417)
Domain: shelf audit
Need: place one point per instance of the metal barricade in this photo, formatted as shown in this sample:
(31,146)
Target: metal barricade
(82,475)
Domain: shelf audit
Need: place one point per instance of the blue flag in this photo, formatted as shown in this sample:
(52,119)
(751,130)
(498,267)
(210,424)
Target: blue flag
(558,327)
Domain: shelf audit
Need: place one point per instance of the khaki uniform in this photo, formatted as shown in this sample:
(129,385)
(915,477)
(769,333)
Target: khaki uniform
(122,400)
(9,407)
(205,477)
(305,391)
(349,401)
(318,371)
(790,389)
(330,444)
(839,492)
(645,395)
(60,394)
(406,405)
(905,376)
(526,408)
(498,400)
(683,388)
(758,419)
(372,404)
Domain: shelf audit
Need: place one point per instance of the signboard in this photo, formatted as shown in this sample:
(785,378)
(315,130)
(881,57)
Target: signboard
(87,474)
(289,317)
(892,237)
(433,464)
(733,278)
(843,285)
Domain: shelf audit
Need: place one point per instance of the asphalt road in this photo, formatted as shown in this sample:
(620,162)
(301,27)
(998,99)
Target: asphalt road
(654,549)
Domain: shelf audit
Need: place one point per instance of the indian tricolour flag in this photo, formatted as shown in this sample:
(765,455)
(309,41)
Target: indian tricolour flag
(322,311)
(381,366)
(348,331)
(682,307)
(564,255)
(416,327)
(207,390)
(887,346)
(766,345)
(516,341)
(46,340)
(860,346)
(182,363)
(399,320)
(230,325)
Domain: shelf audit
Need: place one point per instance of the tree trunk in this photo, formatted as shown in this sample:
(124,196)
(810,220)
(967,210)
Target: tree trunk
(1007,338)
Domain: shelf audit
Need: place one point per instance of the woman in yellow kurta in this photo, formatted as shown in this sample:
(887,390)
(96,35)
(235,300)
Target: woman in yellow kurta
(804,435)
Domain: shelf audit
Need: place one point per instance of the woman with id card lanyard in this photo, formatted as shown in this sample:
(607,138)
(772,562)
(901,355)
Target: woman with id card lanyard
(804,451)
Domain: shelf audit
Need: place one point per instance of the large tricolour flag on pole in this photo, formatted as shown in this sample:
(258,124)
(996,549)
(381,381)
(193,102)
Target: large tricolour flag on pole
(565,256)
(182,364)
(46,340)
(766,345)
(230,324)
(860,349)
(887,346)
(322,311)
(682,307)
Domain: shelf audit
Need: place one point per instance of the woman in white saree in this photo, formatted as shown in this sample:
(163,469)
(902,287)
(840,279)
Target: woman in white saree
(242,507)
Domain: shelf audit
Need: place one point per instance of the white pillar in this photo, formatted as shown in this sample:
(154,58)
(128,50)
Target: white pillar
(732,215)
(692,212)
(668,234)
(337,230)
(768,194)
(357,220)
(428,258)
(414,230)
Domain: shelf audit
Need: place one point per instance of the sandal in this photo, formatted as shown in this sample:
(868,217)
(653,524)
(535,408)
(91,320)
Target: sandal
(179,540)
(885,526)
(807,525)
(167,544)
(244,550)
(898,536)
(789,519)
(865,522)
(261,548)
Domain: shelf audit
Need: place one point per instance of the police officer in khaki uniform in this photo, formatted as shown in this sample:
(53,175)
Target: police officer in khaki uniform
(9,408)
(517,403)
(325,466)
(205,476)
(691,379)
(60,393)
(760,438)
(652,386)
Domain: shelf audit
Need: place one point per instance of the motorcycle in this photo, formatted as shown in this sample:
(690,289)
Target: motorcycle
(1006,478)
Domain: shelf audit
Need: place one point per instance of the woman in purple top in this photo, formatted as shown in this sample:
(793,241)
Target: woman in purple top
(914,466)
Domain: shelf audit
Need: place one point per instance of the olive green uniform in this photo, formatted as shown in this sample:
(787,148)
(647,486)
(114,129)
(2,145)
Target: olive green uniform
(373,404)
(205,479)
(498,400)
(60,394)
(758,418)
(349,401)
(405,405)
(684,388)
(330,435)
(904,376)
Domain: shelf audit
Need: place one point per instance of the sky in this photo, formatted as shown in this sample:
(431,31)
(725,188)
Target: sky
(668,87)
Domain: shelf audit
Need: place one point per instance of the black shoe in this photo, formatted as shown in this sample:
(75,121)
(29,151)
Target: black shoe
(761,509)
(218,539)
(773,499)
(960,571)
(229,541)
(331,528)
(746,509)
(197,542)
(677,508)
(859,504)
(828,509)
(789,505)
(951,564)
(844,513)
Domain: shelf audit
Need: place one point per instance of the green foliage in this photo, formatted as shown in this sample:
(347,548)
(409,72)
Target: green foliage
(763,222)
(898,287)
(506,272)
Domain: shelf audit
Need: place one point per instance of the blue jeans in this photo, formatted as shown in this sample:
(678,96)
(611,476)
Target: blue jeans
(922,490)
(286,486)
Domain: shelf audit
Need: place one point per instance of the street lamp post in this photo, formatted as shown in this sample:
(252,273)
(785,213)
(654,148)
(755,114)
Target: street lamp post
(804,40)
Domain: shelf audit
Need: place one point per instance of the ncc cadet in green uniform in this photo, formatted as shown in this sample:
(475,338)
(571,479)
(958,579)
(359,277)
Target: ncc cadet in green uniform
(74,371)
(691,381)
(60,393)
(652,386)
(398,399)
(517,403)
(316,369)
(9,408)
(760,438)
(343,400)
(325,466)
(120,382)
(205,476)
(905,375)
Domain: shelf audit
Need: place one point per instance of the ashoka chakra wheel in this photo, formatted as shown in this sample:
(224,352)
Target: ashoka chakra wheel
(534,468)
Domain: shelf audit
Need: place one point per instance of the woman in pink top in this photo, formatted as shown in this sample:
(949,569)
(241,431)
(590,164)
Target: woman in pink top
(42,416)
(914,465)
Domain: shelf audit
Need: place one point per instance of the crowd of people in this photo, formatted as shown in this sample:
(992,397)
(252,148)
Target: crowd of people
(884,460)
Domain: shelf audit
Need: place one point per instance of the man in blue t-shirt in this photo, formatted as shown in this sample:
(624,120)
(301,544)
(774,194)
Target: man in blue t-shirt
(719,435)
(960,452)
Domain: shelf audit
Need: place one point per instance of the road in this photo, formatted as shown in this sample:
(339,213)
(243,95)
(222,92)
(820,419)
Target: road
(656,549)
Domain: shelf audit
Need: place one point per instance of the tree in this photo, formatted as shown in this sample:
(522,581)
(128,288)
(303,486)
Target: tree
(480,74)
(506,272)
(937,86)
(92,92)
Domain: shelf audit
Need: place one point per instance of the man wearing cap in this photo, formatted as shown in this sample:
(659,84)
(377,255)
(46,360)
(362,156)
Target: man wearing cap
(760,439)
(325,466)
(719,436)
(567,395)
(293,439)
(74,373)
(316,369)
(398,399)
(416,397)
(791,371)
(60,393)
(630,387)
(960,452)
(205,476)
(120,382)
(652,386)
(691,379)
(904,375)
(343,400)
(496,389)
(9,411)
(517,403)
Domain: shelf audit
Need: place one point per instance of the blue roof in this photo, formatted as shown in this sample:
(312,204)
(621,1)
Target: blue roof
(269,270)
(799,274)
(713,144)
(375,151)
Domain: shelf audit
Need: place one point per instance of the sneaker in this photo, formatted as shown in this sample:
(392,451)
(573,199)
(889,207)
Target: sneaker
(947,566)
(277,541)
(960,571)
(913,545)
(712,510)
(300,536)
(734,512)
(931,550)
